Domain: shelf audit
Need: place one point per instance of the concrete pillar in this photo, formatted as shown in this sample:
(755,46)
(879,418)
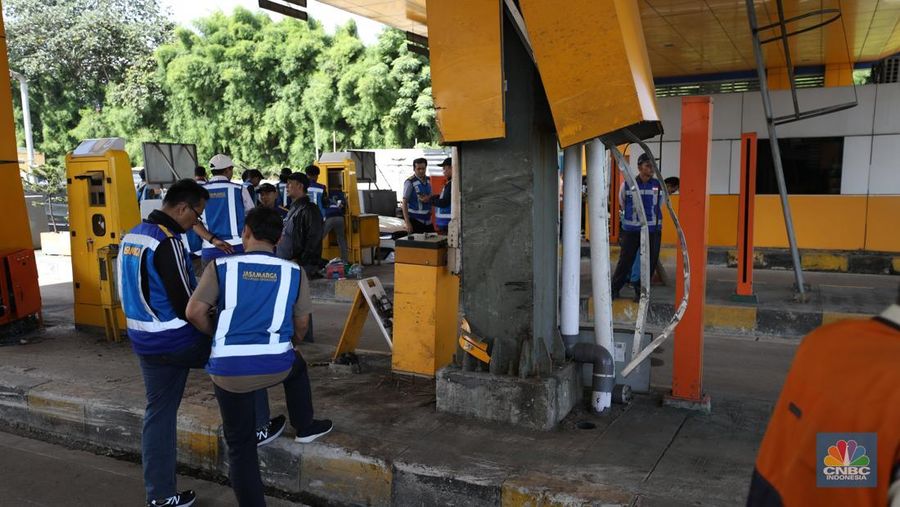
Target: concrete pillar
(509,226)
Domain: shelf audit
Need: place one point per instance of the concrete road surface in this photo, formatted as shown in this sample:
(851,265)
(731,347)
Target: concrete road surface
(37,473)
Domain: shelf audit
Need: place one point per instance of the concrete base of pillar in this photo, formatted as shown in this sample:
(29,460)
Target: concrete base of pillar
(704,404)
(534,403)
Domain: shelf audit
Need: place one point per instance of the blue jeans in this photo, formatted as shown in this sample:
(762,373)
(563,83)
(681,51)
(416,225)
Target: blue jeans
(165,376)
(237,425)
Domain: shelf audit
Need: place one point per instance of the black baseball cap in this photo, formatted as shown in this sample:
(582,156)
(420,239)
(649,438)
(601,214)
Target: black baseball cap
(266,187)
(447,161)
(643,158)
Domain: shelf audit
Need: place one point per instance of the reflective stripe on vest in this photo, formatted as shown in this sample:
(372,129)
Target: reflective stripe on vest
(316,192)
(257,293)
(419,210)
(224,213)
(283,196)
(443,215)
(650,193)
(153,326)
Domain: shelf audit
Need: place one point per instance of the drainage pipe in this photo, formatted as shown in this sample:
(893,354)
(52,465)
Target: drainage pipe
(571,246)
(604,375)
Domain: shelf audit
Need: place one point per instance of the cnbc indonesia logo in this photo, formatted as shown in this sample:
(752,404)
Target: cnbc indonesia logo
(847,460)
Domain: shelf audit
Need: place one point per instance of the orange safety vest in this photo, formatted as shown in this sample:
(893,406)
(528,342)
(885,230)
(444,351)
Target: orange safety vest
(845,378)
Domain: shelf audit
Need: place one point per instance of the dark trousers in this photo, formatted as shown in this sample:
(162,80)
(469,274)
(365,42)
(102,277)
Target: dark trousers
(630,244)
(238,424)
(419,227)
(165,376)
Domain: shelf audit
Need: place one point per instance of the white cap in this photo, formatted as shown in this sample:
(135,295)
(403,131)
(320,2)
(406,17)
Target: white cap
(220,162)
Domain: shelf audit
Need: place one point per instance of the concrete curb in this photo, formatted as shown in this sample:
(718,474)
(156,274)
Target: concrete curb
(735,319)
(832,261)
(332,471)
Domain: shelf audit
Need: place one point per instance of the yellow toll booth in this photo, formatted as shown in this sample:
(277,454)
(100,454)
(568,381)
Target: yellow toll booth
(102,208)
(426,302)
(341,169)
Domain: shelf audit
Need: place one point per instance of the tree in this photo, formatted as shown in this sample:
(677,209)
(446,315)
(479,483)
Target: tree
(71,50)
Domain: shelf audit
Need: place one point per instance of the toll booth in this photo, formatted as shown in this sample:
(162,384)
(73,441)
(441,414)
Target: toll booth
(343,169)
(102,208)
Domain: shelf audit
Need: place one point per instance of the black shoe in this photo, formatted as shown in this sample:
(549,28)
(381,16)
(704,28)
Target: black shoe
(315,430)
(637,293)
(270,431)
(615,295)
(183,499)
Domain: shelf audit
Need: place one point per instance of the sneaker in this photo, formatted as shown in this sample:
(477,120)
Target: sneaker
(315,430)
(270,431)
(183,499)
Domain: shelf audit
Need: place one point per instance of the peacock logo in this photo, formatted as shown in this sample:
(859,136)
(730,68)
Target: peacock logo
(847,460)
(846,453)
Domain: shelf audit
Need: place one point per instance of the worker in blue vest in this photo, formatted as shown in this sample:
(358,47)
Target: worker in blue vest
(251,178)
(155,282)
(417,199)
(335,204)
(442,203)
(223,219)
(672,185)
(263,309)
(630,238)
(284,199)
(316,192)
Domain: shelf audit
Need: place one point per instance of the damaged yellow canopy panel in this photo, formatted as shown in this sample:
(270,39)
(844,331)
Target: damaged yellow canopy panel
(593,62)
(466,68)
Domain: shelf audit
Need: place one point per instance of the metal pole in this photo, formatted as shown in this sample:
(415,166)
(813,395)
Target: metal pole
(571,246)
(26,115)
(598,197)
(776,151)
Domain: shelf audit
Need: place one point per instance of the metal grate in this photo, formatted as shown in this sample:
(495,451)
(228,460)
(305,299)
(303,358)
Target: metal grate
(887,70)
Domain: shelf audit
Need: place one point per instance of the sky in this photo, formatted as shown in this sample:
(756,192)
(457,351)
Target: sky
(183,12)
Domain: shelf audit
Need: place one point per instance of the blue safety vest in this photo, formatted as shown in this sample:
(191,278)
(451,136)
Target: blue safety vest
(257,292)
(282,211)
(651,196)
(442,215)
(153,326)
(420,211)
(224,215)
(283,196)
(334,208)
(316,194)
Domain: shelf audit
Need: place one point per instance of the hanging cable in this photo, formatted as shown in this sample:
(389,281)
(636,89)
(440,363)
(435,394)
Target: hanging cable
(644,250)
(682,307)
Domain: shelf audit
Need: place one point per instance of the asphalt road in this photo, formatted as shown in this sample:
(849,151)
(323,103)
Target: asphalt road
(36,473)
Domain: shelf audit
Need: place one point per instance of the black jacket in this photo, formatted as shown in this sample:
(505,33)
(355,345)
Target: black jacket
(304,225)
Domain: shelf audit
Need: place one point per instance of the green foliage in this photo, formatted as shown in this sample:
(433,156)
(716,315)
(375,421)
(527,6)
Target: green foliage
(71,51)
(267,93)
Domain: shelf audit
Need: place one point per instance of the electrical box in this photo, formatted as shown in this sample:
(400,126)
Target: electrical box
(20,295)
(623,340)
(102,208)
(426,306)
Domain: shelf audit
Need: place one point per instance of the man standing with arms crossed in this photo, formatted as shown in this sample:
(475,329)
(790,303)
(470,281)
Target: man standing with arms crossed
(417,199)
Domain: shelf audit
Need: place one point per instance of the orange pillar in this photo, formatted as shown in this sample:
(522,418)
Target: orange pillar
(614,183)
(746,204)
(696,135)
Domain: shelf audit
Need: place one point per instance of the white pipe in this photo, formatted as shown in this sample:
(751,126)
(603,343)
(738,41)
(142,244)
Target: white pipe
(26,115)
(598,197)
(571,245)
